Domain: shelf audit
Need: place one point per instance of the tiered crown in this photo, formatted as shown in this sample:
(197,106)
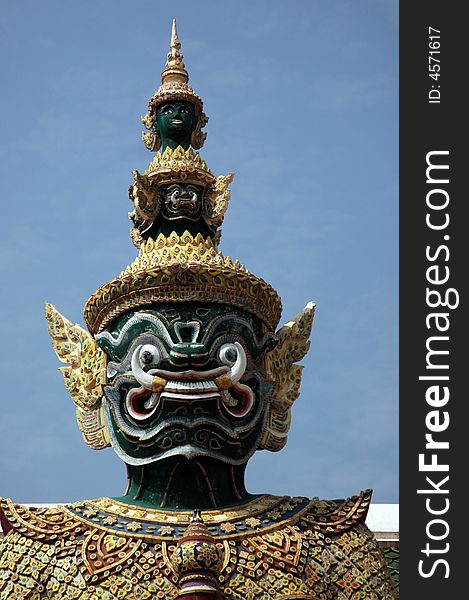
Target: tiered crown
(179,165)
(179,206)
(178,269)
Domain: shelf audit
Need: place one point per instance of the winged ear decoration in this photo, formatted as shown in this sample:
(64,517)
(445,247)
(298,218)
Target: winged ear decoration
(217,198)
(84,375)
(285,375)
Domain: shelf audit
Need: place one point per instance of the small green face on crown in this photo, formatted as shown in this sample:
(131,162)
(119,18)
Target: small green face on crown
(176,122)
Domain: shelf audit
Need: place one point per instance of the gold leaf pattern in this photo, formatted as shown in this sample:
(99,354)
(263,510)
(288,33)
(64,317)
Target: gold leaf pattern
(217,199)
(297,559)
(182,268)
(84,376)
(285,374)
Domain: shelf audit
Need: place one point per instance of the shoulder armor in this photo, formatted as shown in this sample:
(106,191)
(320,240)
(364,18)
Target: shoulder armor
(42,524)
(336,516)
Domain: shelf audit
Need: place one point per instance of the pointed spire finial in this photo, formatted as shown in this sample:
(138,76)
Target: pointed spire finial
(174,36)
(175,70)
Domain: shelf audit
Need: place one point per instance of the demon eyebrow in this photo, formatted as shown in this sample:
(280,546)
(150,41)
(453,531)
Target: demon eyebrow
(116,344)
(267,342)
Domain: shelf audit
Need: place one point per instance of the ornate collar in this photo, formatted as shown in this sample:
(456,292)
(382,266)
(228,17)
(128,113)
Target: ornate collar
(257,516)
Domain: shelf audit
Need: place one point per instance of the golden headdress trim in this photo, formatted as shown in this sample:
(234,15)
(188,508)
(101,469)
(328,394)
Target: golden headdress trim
(186,165)
(180,269)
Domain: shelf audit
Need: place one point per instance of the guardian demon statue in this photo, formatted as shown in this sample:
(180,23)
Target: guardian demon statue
(184,375)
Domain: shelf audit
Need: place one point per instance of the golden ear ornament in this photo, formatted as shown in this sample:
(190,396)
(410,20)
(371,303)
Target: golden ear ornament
(84,376)
(151,139)
(285,375)
(217,199)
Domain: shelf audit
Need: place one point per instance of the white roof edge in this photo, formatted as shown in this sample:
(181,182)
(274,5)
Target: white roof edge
(383,517)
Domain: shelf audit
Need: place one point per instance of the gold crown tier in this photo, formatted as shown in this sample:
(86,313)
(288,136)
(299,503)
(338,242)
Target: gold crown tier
(180,269)
(181,165)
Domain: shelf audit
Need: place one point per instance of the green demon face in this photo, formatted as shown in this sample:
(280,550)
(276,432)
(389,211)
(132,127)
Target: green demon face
(186,379)
(176,121)
(181,201)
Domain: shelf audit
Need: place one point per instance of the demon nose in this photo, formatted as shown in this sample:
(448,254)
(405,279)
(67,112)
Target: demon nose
(188,355)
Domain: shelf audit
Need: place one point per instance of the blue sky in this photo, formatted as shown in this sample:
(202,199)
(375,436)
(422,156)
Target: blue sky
(302,101)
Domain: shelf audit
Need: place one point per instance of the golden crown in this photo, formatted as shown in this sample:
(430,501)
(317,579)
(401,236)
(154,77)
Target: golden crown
(178,269)
(184,165)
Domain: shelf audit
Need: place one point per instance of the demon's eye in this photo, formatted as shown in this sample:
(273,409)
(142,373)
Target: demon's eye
(228,354)
(149,355)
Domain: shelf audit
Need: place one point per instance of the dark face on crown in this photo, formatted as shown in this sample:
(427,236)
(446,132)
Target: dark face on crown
(186,379)
(181,201)
(175,121)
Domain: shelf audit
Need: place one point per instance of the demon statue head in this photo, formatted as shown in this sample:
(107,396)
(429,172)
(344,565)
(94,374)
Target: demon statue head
(186,380)
(182,361)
